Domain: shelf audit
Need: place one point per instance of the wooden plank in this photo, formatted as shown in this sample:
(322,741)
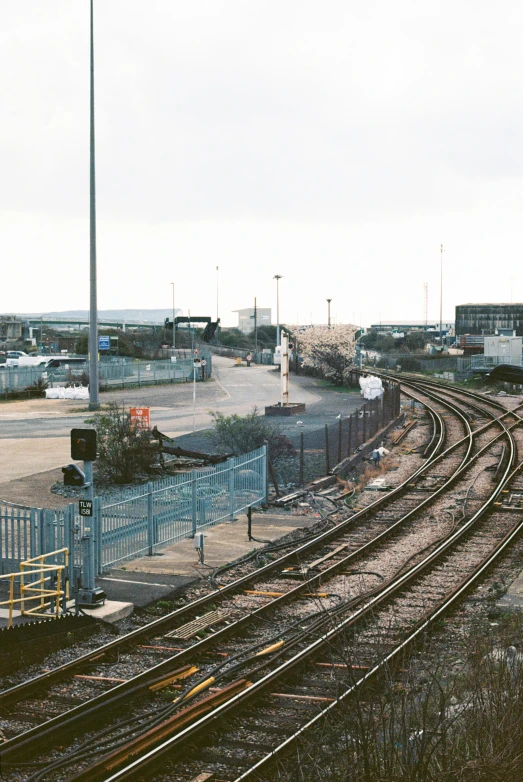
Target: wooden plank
(327,556)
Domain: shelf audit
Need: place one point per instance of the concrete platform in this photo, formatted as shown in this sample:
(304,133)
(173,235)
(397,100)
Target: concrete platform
(223,543)
(513,597)
(111,611)
(142,588)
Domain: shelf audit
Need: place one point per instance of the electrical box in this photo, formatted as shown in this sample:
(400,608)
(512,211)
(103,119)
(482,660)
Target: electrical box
(198,540)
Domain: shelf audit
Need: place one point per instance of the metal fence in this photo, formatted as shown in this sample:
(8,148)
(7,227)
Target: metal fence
(29,532)
(141,519)
(117,374)
(318,452)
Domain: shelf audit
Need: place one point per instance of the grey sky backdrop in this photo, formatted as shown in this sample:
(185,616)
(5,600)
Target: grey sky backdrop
(335,143)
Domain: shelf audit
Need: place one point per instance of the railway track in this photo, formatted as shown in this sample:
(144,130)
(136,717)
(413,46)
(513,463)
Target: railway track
(377,559)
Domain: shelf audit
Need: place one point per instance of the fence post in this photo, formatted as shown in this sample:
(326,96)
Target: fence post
(383,418)
(349,438)
(150,519)
(327,463)
(194,487)
(340,432)
(302,459)
(230,462)
(265,472)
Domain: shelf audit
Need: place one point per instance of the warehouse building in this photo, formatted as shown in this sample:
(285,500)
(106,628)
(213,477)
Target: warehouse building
(489,319)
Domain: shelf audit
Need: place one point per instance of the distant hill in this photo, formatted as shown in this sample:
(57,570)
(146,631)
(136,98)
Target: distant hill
(156,316)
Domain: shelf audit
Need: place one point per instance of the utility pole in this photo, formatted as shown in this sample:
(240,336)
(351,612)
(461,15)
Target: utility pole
(329,313)
(277,277)
(217,292)
(441,295)
(94,401)
(426,301)
(255,328)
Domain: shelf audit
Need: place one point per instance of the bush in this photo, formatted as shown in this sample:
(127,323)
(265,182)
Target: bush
(238,434)
(125,452)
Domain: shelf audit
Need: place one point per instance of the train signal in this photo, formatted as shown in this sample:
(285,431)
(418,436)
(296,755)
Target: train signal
(83,444)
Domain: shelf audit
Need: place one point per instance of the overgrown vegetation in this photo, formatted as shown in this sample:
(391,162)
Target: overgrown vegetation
(443,716)
(125,451)
(238,434)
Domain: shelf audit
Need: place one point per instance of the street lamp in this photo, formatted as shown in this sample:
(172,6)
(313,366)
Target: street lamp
(174,330)
(329,313)
(94,402)
(277,277)
(441,250)
(217,290)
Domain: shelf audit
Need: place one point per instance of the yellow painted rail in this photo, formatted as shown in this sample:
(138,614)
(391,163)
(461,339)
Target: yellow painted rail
(41,587)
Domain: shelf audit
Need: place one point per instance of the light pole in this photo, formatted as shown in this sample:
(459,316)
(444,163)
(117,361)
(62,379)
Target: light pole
(277,277)
(441,250)
(329,313)
(174,330)
(94,401)
(217,291)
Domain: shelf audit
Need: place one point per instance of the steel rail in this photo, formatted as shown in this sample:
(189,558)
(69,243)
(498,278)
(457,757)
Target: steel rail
(44,732)
(17,692)
(447,604)
(385,594)
(204,723)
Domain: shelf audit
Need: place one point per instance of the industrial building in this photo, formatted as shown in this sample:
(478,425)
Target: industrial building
(246,318)
(406,326)
(489,319)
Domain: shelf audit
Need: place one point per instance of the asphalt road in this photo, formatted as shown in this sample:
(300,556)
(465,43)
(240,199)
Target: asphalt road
(35,434)
(233,390)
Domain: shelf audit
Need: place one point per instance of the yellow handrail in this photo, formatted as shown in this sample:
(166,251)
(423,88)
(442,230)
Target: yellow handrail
(37,589)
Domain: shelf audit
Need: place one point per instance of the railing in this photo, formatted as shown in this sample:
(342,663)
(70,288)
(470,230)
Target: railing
(162,512)
(138,521)
(114,374)
(40,581)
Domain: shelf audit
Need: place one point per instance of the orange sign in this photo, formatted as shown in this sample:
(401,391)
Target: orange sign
(140,417)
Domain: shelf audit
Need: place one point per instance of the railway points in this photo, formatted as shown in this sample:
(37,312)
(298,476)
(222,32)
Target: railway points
(410,554)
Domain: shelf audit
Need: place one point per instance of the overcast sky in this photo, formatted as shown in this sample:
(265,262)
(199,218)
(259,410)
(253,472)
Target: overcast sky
(337,143)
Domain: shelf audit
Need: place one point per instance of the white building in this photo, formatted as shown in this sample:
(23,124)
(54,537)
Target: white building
(246,318)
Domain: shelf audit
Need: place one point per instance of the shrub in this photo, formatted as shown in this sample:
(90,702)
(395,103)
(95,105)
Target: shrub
(240,434)
(125,452)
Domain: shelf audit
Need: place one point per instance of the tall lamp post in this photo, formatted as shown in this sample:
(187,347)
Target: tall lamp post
(441,250)
(329,313)
(217,291)
(277,277)
(174,329)
(94,400)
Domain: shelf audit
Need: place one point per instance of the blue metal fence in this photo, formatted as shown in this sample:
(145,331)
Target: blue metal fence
(117,374)
(141,519)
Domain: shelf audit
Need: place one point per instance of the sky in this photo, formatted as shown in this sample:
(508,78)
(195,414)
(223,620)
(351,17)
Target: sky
(338,144)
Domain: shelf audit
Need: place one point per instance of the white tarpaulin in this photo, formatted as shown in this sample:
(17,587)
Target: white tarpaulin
(78,392)
(371,387)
